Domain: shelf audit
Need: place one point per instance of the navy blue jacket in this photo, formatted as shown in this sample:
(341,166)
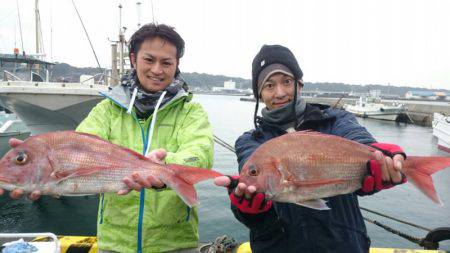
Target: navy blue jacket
(289,227)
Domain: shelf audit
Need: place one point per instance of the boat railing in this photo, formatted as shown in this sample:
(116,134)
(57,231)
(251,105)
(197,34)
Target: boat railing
(8,76)
(102,79)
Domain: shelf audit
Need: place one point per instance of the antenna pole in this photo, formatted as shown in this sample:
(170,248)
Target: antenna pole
(121,42)
(138,7)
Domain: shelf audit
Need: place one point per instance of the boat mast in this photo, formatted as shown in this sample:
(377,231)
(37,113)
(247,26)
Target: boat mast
(36,17)
(121,42)
(138,7)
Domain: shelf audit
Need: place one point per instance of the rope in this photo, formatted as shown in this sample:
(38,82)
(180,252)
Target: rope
(153,12)
(395,219)
(87,35)
(410,238)
(396,232)
(224,144)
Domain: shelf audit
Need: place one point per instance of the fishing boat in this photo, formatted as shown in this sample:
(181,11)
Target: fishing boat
(43,105)
(368,107)
(441,129)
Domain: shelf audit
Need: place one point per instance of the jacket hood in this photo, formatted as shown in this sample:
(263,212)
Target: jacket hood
(121,95)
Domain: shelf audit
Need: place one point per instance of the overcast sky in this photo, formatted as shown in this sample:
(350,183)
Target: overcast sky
(397,42)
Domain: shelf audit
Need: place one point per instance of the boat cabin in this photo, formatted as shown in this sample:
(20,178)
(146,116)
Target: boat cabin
(17,67)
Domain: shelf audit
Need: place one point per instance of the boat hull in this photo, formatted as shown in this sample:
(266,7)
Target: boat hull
(441,130)
(50,107)
(390,115)
(381,116)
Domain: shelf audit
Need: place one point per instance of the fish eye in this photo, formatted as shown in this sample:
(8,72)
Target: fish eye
(21,158)
(253,171)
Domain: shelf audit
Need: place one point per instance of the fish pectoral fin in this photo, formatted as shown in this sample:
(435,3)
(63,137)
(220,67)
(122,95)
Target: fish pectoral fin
(66,174)
(317,204)
(285,174)
(315,183)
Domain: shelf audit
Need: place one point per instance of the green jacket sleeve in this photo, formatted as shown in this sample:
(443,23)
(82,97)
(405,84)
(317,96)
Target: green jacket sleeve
(195,140)
(97,122)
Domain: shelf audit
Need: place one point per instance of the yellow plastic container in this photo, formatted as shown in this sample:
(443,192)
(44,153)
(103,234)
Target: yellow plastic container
(244,248)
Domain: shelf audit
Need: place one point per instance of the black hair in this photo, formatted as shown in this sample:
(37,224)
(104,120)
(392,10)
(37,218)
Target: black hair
(152,30)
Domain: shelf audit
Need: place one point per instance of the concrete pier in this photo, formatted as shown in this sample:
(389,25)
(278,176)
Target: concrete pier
(416,112)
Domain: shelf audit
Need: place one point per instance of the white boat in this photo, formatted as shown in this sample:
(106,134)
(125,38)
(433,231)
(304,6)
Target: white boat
(441,129)
(47,106)
(369,108)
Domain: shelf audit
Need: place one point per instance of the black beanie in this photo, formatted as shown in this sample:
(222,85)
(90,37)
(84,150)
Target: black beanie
(270,54)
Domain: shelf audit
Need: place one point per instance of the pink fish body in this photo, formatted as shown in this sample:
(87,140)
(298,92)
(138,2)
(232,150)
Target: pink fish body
(304,167)
(71,163)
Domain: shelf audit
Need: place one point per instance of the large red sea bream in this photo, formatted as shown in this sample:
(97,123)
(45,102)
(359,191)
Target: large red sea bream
(304,167)
(71,163)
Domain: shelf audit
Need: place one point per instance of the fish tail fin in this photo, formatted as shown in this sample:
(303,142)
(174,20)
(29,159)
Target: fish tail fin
(183,179)
(193,175)
(419,170)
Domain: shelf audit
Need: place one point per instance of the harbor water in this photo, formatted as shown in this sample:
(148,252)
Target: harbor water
(230,118)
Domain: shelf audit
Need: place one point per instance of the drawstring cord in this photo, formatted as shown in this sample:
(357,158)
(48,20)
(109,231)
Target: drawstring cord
(147,148)
(133,98)
(152,124)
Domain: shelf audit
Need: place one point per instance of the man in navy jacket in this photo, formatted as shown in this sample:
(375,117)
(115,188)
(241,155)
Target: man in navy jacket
(287,227)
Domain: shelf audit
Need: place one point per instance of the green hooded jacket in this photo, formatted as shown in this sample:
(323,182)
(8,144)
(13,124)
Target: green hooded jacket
(166,222)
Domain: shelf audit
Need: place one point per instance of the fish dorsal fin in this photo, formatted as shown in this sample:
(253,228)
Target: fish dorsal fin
(315,183)
(87,134)
(140,156)
(317,204)
(308,131)
(66,174)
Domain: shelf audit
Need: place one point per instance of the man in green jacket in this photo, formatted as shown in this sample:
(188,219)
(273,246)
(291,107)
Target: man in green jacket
(151,111)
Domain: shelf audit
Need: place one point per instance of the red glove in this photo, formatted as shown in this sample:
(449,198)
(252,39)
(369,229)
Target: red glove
(257,204)
(373,182)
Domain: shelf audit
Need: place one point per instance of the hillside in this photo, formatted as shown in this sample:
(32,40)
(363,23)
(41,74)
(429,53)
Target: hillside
(206,81)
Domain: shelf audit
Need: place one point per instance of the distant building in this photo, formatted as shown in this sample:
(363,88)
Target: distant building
(229,85)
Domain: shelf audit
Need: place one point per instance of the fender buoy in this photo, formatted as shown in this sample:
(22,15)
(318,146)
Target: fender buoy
(244,248)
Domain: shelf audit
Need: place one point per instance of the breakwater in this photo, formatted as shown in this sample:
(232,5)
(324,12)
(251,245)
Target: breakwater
(416,111)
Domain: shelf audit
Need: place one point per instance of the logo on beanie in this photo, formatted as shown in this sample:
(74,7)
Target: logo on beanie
(263,62)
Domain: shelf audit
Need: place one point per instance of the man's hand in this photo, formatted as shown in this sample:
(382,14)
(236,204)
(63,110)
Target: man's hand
(239,189)
(18,193)
(136,182)
(385,170)
(244,197)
